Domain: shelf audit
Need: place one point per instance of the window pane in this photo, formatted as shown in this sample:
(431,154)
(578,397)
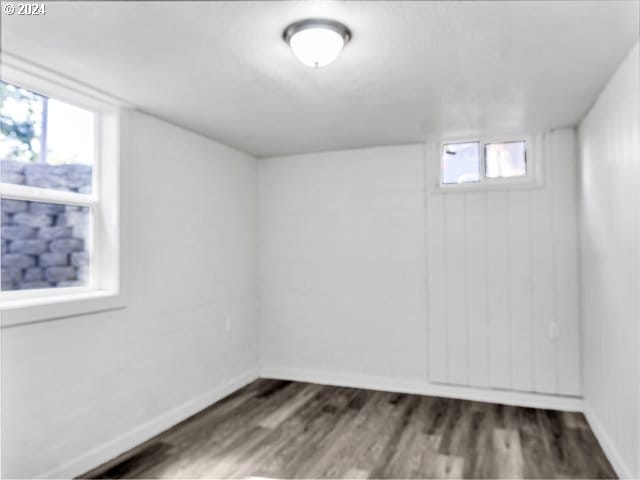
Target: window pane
(504,160)
(44,142)
(44,245)
(461,162)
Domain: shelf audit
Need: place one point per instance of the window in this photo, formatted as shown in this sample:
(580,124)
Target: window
(59,196)
(48,145)
(481,163)
(461,162)
(44,142)
(505,160)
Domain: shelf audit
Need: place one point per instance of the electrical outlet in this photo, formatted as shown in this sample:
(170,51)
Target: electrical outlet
(227,324)
(554,331)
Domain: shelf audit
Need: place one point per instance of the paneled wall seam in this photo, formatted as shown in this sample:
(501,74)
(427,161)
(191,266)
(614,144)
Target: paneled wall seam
(579,253)
(529,297)
(486,290)
(428,280)
(509,307)
(551,178)
(466,284)
(446,307)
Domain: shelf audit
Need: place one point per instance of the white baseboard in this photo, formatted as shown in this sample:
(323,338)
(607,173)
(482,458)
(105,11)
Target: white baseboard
(144,432)
(607,444)
(424,387)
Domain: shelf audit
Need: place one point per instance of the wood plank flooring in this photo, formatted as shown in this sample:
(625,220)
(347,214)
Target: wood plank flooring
(280,429)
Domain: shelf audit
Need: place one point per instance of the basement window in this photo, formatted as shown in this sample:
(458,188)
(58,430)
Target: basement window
(505,160)
(461,163)
(481,164)
(59,197)
(47,155)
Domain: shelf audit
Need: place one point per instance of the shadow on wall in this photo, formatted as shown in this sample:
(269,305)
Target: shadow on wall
(45,245)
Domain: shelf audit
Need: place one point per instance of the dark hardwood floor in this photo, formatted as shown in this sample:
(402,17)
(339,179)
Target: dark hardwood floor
(279,429)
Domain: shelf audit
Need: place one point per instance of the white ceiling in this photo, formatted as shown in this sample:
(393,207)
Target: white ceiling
(413,69)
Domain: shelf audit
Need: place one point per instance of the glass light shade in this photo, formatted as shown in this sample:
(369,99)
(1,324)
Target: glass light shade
(316,46)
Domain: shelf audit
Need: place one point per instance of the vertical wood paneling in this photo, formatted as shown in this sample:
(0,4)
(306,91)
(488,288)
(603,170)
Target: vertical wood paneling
(455,288)
(609,140)
(437,332)
(435,248)
(566,269)
(519,262)
(542,288)
(476,287)
(508,260)
(498,291)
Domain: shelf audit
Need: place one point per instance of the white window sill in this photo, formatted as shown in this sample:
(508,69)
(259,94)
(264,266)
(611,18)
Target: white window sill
(18,310)
(487,186)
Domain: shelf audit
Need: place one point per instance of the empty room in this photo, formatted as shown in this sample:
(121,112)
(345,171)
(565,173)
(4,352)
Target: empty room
(320,239)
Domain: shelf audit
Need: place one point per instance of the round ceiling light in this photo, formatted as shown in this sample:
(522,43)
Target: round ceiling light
(316,42)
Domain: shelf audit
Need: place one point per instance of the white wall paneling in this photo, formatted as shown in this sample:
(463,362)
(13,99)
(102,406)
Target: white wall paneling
(455,289)
(476,290)
(543,288)
(563,184)
(502,272)
(78,391)
(497,280)
(609,140)
(437,350)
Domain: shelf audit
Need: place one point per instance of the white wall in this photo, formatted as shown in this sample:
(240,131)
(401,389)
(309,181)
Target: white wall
(344,281)
(609,139)
(342,277)
(502,267)
(77,391)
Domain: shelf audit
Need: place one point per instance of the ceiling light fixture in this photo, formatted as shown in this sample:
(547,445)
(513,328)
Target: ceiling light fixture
(316,42)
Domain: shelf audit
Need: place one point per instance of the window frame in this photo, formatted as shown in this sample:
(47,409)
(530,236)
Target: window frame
(532,178)
(105,289)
